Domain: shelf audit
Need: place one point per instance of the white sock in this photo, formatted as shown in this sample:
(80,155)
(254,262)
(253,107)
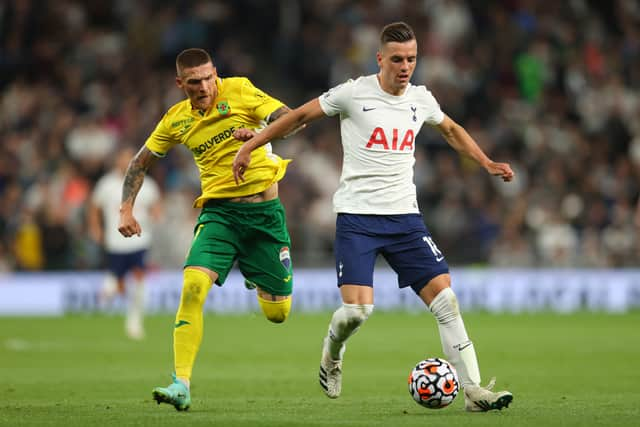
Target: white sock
(135,306)
(108,292)
(456,345)
(345,322)
(109,286)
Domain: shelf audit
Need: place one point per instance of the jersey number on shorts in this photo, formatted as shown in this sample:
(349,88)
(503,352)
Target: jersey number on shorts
(436,252)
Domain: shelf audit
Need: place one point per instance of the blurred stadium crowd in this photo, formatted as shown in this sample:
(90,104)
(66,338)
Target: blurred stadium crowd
(551,87)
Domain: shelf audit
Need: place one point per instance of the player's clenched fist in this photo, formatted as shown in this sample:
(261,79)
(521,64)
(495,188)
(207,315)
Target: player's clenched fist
(128,226)
(503,170)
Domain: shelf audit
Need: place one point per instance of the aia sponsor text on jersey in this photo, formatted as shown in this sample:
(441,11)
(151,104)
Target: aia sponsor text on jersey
(391,140)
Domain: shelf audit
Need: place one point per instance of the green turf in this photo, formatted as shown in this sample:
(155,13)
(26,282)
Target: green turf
(564,370)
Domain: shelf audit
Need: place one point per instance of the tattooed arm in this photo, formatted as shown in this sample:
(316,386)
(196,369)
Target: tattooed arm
(133,179)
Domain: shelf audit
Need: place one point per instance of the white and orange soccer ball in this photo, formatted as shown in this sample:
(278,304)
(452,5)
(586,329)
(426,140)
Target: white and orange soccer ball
(433,383)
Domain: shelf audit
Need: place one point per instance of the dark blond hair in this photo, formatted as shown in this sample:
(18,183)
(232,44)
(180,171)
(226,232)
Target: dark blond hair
(192,57)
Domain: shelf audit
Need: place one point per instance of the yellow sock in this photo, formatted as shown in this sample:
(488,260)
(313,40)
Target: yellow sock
(187,333)
(276,311)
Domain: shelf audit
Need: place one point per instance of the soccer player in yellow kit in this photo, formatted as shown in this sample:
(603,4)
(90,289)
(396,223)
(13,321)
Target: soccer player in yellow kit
(244,223)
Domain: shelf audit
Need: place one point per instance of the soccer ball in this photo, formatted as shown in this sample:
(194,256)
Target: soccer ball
(433,383)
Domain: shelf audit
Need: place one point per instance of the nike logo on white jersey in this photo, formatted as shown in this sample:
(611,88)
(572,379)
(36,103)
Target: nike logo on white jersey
(365,109)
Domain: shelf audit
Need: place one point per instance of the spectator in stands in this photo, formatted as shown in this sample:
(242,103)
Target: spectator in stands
(551,82)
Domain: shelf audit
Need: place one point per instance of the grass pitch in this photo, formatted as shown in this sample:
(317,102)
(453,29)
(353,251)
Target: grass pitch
(564,370)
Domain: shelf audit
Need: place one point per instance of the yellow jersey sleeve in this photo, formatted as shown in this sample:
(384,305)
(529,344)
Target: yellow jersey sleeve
(255,100)
(161,139)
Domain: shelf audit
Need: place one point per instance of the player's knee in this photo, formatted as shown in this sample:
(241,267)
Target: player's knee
(356,314)
(275,311)
(445,306)
(195,288)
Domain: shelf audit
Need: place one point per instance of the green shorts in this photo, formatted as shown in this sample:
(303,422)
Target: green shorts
(254,234)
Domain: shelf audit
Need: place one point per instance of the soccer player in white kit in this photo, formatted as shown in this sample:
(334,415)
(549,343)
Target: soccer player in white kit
(124,256)
(376,204)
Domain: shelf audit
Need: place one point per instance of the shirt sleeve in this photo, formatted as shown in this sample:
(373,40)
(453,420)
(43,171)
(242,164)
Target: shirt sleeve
(336,99)
(258,101)
(161,141)
(434,116)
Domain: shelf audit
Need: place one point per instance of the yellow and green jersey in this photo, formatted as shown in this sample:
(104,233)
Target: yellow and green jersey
(209,136)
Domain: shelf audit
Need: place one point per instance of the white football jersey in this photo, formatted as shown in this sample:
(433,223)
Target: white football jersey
(378,133)
(106,196)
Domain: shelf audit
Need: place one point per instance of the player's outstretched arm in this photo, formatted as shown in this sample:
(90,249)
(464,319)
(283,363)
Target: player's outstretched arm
(133,178)
(245,134)
(457,137)
(284,125)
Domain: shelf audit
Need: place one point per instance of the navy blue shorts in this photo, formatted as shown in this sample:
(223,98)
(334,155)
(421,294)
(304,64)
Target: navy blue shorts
(403,240)
(121,264)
